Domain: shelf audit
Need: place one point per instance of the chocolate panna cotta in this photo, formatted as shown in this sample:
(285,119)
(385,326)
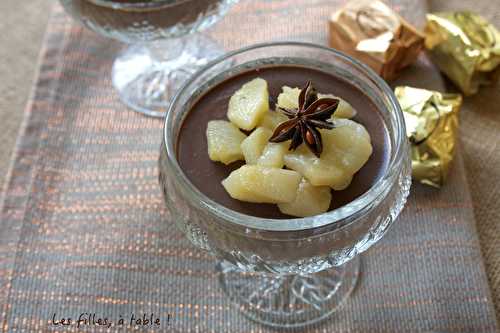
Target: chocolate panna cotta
(317,148)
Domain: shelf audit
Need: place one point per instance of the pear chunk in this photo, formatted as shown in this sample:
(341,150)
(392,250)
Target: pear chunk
(344,110)
(259,184)
(272,119)
(318,171)
(273,155)
(346,149)
(310,200)
(254,144)
(249,104)
(224,141)
(289,98)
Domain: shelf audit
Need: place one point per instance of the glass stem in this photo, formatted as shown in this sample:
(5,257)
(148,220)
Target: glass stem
(165,50)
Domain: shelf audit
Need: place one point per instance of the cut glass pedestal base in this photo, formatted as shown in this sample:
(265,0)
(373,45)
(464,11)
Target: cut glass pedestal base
(147,76)
(289,300)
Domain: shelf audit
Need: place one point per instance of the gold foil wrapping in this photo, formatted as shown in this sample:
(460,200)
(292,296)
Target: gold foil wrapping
(465,47)
(372,32)
(432,127)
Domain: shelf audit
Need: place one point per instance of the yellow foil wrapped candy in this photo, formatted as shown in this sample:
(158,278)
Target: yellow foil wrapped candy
(432,126)
(465,47)
(372,32)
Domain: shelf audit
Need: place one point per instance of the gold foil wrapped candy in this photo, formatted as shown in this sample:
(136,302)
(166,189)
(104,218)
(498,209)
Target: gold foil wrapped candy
(432,126)
(465,47)
(372,32)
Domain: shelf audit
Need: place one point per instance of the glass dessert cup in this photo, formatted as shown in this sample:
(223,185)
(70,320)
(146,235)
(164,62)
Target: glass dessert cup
(163,50)
(298,271)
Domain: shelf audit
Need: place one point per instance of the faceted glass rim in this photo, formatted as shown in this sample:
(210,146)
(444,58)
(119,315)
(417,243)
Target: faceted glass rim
(351,210)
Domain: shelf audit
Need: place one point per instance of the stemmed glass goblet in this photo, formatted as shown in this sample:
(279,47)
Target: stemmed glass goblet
(164,50)
(290,272)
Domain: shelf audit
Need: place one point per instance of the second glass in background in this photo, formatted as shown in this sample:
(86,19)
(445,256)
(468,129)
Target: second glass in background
(164,48)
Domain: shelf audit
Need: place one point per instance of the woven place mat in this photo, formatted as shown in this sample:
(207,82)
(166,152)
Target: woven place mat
(84,229)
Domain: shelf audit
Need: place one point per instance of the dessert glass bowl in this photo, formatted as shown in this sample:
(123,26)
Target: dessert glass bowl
(163,51)
(291,272)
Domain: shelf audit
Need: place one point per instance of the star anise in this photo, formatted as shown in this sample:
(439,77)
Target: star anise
(312,113)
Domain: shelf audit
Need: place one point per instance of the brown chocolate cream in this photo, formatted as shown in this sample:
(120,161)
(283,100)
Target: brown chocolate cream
(206,175)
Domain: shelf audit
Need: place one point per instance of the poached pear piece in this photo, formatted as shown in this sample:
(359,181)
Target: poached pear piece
(272,119)
(260,184)
(257,150)
(249,104)
(254,144)
(273,155)
(224,141)
(347,148)
(344,110)
(310,200)
(289,99)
